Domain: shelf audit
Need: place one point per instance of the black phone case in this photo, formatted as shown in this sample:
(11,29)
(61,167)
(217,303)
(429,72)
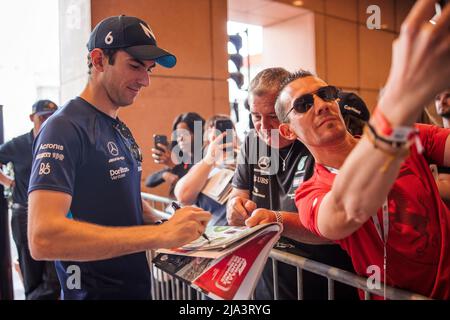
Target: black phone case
(159,139)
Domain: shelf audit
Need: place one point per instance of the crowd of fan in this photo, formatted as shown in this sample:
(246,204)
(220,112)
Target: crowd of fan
(352,188)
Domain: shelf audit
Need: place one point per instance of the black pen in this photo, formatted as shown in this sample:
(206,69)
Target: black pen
(175,207)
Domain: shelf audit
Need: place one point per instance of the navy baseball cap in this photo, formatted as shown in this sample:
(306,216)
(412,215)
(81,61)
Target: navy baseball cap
(131,34)
(43,107)
(351,104)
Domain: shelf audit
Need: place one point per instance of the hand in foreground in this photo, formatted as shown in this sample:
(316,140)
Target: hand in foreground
(186,225)
(238,210)
(216,153)
(420,66)
(260,216)
(162,155)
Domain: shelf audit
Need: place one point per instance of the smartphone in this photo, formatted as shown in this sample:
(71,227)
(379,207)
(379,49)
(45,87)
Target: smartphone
(223,126)
(160,138)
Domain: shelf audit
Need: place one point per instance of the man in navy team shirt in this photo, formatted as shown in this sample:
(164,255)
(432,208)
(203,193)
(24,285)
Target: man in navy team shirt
(85,207)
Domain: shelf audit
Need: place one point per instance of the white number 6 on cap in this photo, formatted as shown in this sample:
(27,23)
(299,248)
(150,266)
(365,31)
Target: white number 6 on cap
(109,38)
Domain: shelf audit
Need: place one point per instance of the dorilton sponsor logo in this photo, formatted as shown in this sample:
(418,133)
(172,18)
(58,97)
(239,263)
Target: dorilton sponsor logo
(119,173)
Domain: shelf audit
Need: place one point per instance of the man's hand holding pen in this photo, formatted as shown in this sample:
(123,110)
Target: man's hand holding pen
(185,225)
(176,207)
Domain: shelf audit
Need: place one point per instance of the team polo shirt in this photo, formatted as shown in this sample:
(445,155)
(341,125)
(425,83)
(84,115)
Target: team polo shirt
(18,151)
(418,244)
(260,171)
(79,152)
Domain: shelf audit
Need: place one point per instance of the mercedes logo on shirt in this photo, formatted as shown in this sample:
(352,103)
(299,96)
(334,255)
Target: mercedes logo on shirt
(264,162)
(112,148)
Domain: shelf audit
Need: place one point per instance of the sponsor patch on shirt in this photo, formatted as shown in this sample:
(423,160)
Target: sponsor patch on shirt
(44,168)
(121,158)
(301,164)
(259,179)
(118,173)
(256,193)
(51,146)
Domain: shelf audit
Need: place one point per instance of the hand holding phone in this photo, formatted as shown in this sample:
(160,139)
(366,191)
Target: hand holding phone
(224,125)
(161,139)
(162,155)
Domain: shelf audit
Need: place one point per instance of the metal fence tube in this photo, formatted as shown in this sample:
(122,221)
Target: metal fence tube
(155,198)
(275,279)
(172,288)
(342,276)
(177,295)
(331,273)
(330,289)
(299,283)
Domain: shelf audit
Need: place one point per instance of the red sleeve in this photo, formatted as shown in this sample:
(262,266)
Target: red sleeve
(433,139)
(308,198)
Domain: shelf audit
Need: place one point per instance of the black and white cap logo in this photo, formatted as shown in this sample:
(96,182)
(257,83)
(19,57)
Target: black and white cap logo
(112,148)
(147,31)
(264,162)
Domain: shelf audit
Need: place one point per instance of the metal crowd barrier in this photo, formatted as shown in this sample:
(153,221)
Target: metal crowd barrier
(165,287)
(157,202)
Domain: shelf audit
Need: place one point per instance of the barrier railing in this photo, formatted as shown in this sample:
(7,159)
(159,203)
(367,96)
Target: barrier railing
(158,203)
(165,287)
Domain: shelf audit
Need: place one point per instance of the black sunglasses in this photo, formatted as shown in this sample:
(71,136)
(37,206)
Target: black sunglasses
(125,133)
(305,102)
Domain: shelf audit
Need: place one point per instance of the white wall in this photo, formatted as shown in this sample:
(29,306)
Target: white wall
(290,44)
(75,27)
(29,59)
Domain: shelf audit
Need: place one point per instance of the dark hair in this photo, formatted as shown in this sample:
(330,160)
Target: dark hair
(280,105)
(110,53)
(189,119)
(211,122)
